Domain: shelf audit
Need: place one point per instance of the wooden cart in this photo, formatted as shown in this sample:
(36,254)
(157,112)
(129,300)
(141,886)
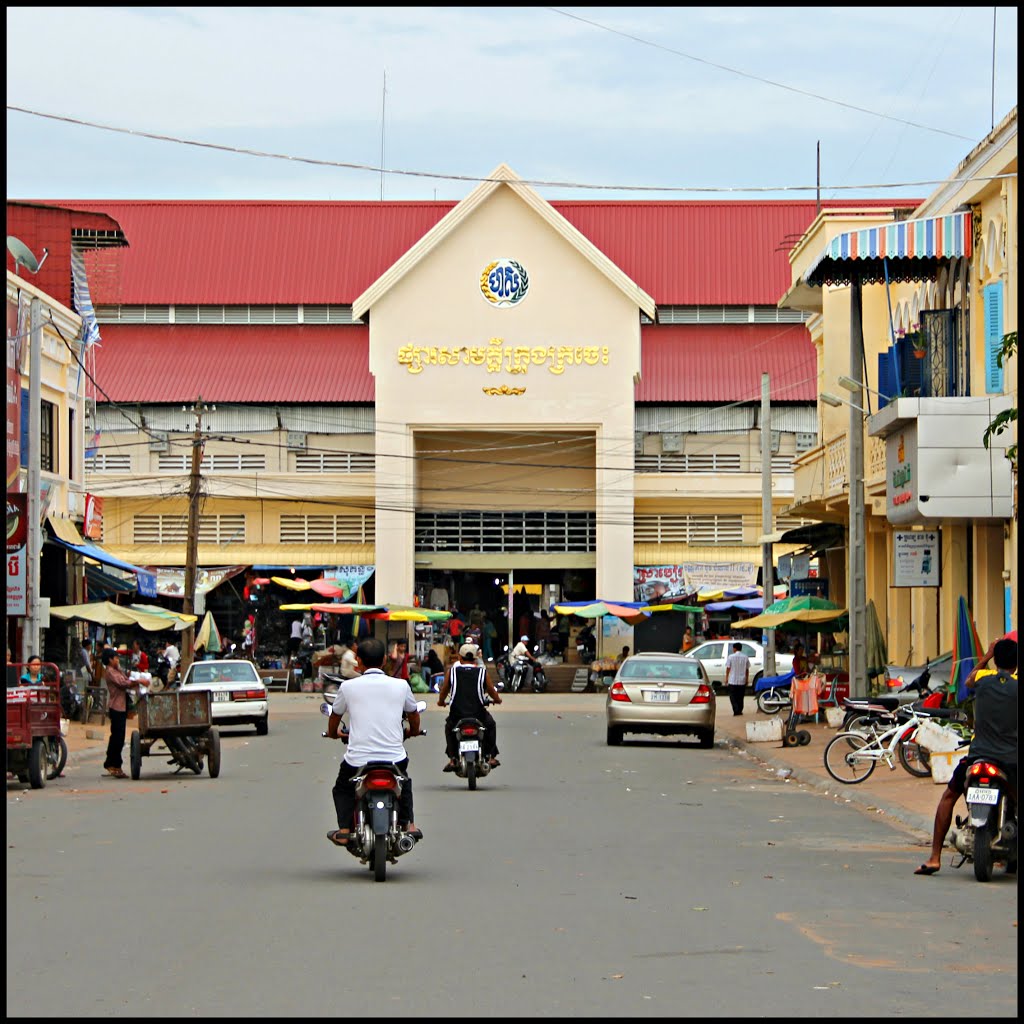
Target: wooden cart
(182,722)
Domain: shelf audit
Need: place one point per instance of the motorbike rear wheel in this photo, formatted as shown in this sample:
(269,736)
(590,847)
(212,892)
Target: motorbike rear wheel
(983,853)
(56,756)
(471,774)
(770,701)
(380,858)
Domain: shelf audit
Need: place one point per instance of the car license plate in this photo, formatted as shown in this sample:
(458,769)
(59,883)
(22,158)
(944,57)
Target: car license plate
(982,796)
(220,695)
(664,696)
(466,745)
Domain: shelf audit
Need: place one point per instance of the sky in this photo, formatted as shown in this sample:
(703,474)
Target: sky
(637,103)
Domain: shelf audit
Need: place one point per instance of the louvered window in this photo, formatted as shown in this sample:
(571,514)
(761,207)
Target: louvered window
(220,463)
(327,529)
(173,529)
(687,529)
(334,462)
(783,523)
(105,462)
(705,462)
(782,463)
(497,532)
(224,314)
(730,315)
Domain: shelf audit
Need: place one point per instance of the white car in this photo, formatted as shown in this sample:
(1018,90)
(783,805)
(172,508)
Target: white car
(237,693)
(714,653)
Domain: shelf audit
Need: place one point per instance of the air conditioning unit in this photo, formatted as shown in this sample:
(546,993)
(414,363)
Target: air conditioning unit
(159,441)
(296,441)
(672,442)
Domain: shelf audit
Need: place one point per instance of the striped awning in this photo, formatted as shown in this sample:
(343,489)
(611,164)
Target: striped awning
(908,250)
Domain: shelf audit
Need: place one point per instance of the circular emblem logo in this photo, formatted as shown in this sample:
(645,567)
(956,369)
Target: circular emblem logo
(504,283)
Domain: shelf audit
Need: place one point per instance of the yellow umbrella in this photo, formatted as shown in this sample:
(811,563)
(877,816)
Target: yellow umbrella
(209,637)
(773,620)
(292,584)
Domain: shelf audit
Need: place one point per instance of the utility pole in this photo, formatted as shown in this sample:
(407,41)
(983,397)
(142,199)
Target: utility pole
(767,571)
(30,635)
(192,541)
(857,586)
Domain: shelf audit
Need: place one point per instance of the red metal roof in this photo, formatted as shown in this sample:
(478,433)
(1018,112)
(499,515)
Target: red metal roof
(44,226)
(724,363)
(254,252)
(154,363)
(178,363)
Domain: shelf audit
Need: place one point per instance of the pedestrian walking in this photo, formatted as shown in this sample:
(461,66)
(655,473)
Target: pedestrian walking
(737,676)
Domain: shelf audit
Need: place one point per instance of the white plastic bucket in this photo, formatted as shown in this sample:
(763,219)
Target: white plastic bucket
(943,764)
(835,716)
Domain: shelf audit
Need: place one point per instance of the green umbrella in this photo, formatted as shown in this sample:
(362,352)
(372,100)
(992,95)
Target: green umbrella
(877,651)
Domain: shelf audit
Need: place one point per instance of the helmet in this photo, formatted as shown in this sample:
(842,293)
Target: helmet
(524,639)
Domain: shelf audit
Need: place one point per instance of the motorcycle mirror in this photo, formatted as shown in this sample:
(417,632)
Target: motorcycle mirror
(325,708)
(421,705)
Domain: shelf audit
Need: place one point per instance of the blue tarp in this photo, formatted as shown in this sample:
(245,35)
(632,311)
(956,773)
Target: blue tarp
(146,579)
(767,682)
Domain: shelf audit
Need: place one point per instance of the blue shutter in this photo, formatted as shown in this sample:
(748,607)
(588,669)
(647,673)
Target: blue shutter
(993,337)
(885,378)
(910,368)
(23,441)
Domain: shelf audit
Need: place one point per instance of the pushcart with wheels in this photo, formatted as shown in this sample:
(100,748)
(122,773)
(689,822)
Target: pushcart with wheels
(182,723)
(804,690)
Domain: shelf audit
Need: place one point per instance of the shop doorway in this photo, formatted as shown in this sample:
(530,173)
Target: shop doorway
(480,597)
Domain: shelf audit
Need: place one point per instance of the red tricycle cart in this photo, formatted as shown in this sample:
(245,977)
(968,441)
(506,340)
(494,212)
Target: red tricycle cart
(36,749)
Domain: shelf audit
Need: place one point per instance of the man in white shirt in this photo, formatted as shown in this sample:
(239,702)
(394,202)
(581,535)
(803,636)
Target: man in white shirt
(737,675)
(521,650)
(376,704)
(170,652)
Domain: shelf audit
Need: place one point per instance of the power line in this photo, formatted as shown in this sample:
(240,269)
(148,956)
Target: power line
(758,78)
(475,179)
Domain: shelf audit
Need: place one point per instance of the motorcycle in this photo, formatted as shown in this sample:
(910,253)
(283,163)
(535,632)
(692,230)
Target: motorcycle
(470,764)
(376,838)
(523,670)
(773,693)
(989,831)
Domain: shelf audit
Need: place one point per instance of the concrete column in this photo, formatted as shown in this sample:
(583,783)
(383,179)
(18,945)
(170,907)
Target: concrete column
(395,515)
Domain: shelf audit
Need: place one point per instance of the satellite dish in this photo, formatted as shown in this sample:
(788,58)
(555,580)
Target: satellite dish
(23,255)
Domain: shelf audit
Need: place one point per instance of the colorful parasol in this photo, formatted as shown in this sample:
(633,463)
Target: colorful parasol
(332,608)
(209,637)
(967,651)
(407,613)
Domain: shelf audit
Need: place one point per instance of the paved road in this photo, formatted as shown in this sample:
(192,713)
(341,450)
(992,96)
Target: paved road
(649,880)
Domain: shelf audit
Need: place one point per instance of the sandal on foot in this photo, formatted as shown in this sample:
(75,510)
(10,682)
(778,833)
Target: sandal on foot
(416,833)
(449,767)
(493,762)
(117,773)
(339,838)
(926,869)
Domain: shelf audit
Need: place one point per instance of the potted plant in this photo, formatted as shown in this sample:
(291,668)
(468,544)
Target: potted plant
(916,338)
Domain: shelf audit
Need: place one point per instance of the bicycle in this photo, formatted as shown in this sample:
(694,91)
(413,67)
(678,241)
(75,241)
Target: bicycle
(850,757)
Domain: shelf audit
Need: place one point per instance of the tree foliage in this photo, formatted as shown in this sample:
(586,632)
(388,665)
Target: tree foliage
(1007,348)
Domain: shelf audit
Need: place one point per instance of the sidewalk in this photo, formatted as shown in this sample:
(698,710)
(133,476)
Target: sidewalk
(909,800)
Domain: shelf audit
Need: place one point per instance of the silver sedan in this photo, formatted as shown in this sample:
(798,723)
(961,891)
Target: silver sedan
(662,693)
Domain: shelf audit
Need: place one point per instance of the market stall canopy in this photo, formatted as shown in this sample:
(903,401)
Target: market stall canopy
(407,613)
(66,536)
(908,250)
(801,603)
(806,617)
(336,608)
(598,609)
(670,608)
(752,604)
(106,613)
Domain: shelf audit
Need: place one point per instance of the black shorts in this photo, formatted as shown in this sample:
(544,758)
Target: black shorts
(958,781)
(294,643)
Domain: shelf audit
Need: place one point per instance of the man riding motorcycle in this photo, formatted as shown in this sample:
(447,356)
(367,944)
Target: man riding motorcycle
(377,705)
(466,685)
(521,650)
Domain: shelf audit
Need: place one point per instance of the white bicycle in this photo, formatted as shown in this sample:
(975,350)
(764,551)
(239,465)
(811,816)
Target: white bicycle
(851,756)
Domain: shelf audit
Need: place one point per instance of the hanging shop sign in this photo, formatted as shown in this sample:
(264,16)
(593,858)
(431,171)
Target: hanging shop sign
(17,543)
(171,582)
(349,577)
(497,357)
(663,582)
(916,558)
(93,517)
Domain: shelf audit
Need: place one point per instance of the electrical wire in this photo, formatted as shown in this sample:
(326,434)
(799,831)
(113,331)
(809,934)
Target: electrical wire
(532,182)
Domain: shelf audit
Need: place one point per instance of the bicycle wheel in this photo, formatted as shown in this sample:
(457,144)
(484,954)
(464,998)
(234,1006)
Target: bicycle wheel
(914,759)
(844,759)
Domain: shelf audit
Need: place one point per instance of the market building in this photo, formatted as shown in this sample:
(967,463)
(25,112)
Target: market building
(908,384)
(451,394)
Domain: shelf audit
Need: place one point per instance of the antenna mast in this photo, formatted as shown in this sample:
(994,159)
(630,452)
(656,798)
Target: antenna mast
(383,102)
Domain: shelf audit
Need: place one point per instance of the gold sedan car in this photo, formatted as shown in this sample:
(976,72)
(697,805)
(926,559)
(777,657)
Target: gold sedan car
(663,693)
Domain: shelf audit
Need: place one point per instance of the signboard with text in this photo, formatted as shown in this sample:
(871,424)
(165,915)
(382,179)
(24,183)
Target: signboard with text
(917,557)
(664,582)
(17,543)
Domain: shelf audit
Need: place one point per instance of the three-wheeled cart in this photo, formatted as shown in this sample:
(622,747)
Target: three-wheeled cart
(182,722)
(36,750)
